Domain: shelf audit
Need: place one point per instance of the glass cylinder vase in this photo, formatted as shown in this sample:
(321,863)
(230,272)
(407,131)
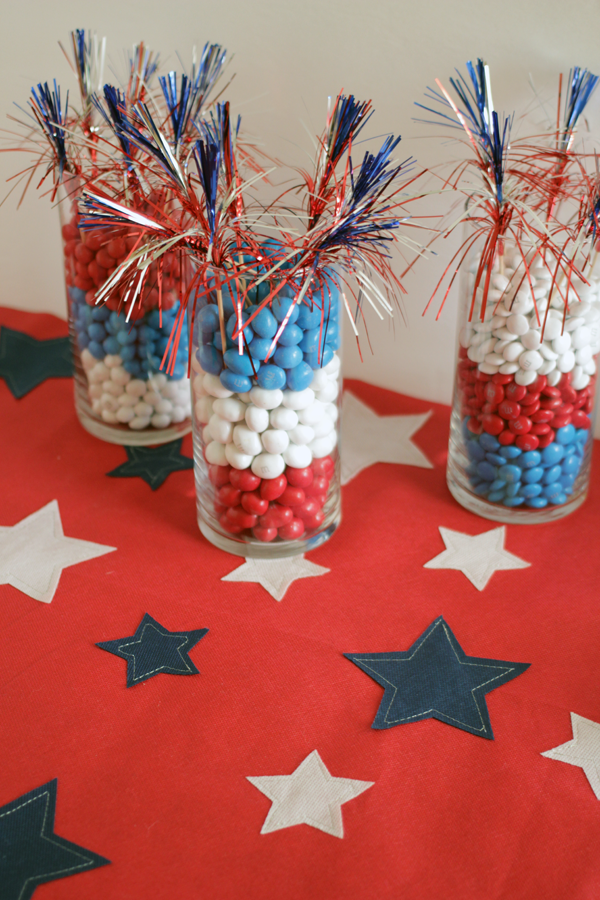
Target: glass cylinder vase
(522,418)
(121,394)
(266,421)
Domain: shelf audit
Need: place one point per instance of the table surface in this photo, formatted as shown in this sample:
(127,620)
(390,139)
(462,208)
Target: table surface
(155,777)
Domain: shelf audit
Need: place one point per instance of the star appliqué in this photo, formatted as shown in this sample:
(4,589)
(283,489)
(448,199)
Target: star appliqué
(435,679)
(34,552)
(154,649)
(476,556)
(30,852)
(276,575)
(583,750)
(25,361)
(153,464)
(369,438)
(309,796)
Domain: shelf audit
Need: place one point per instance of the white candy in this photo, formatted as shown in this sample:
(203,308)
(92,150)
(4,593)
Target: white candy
(196,365)
(158,380)
(332,411)
(525,378)
(245,397)
(500,282)
(581,338)
(164,407)
(213,386)
(554,377)
(573,324)
(505,335)
(299,399)
(198,386)
(547,352)
(283,418)
(333,365)
(124,414)
(301,434)
(531,359)
(517,324)
(464,337)
(522,304)
(547,366)
(566,362)
(96,406)
(126,400)
(581,382)
(215,453)
(492,359)
(204,409)
(257,419)
(206,435)
(87,360)
(561,344)
(119,375)
(112,360)
(513,351)
(139,423)
(220,429)
(312,413)
(299,456)
(275,440)
(95,391)
(110,387)
(136,387)
(268,465)
(488,369)
(265,399)
(330,391)
(531,340)
(101,373)
(107,401)
(230,409)
(246,440)
(321,378)
(109,417)
(143,409)
(178,415)
(509,368)
(590,367)
(484,327)
(552,328)
(160,421)
(321,447)
(323,427)
(584,355)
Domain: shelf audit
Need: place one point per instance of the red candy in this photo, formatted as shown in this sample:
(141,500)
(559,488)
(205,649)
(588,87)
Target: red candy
(324,466)
(527,442)
(276,516)
(272,488)
(254,503)
(308,509)
(228,495)
(494,393)
(580,420)
(551,403)
(509,409)
(551,391)
(530,410)
(244,479)
(542,415)
(546,439)
(292,530)
(474,425)
(299,477)
(219,475)
(315,521)
(264,534)
(319,486)
(506,438)
(238,516)
(561,421)
(294,496)
(515,391)
(521,425)
(229,526)
(540,428)
(491,424)
(501,379)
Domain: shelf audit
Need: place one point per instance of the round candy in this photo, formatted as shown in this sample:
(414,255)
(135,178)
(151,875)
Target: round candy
(233,382)
(302,478)
(220,429)
(268,465)
(292,496)
(570,465)
(257,419)
(228,495)
(208,318)
(271,377)
(240,363)
(246,440)
(274,440)
(565,435)
(301,376)
(492,424)
(515,391)
(267,399)
(517,324)
(309,316)
(230,409)
(324,467)
(273,487)
(283,418)
(219,475)
(259,347)
(552,474)
(509,452)
(313,340)
(264,534)
(527,441)
(212,385)
(239,516)
(531,476)
(288,357)
(520,425)
(293,530)
(312,414)
(210,358)
(281,305)
(297,400)
(307,510)
(232,328)
(297,455)
(265,323)
(509,409)
(214,453)
(237,458)
(254,503)
(509,472)
(489,442)
(531,490)
(319,360)
(530,459)
(290,335)
(323,446)
(276,516)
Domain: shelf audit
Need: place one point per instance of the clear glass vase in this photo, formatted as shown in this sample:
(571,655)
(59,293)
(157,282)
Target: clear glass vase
(522,419)
(266,432)
(121,394)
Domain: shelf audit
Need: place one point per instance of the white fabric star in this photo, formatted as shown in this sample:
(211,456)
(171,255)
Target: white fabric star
(276,575)
(34,552)
(309,796)
(369,438)
(583,750)
(478,556)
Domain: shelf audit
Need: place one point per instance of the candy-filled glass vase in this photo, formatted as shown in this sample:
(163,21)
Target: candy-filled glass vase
(266,421)
(121,393)
(522,419)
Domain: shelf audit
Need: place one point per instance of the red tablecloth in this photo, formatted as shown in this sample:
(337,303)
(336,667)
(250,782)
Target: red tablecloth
(155,777)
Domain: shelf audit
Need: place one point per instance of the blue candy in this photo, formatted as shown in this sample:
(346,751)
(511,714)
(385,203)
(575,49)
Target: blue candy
(127,337)
(552,474)
(509,452)
(482,488)
(510,473)
(312,340)
(132,366)
(100,313)
(145,332)
(475,451)
(565,435)
(127,353)
(77,294)
(96,349)
(96,331)
(232,324)
(531,490)
(488,472)
(530,459)
(570,465)
(271,377)
(495,459)
(290,336)
(210,359)
(319,360)
(218,343)
(489,442)
(495,496)
(153,320)
(512,490)
(233,382)
(497,485)
(281,306)
(288,357)
(179,372)
(241,364)
(265,323)
(308,318)
(513,501)
(552,454)
(552,490)
(537,502)
(531,476)
(111,345)
(83,339)
(300,377)
(259,347)
(562,498)
(208,318)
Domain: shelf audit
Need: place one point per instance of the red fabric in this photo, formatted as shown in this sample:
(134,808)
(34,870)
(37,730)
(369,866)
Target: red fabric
(154,777)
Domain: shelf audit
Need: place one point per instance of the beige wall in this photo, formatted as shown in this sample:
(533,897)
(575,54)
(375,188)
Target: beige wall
(289,56)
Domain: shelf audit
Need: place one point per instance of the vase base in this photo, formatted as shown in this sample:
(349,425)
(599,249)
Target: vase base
(127,437)
(261,550)
(511,515)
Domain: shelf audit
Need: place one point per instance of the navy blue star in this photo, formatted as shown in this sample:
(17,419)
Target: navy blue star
(25,362)
(153,649)
(153,464)
(30,852)
(435,679)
